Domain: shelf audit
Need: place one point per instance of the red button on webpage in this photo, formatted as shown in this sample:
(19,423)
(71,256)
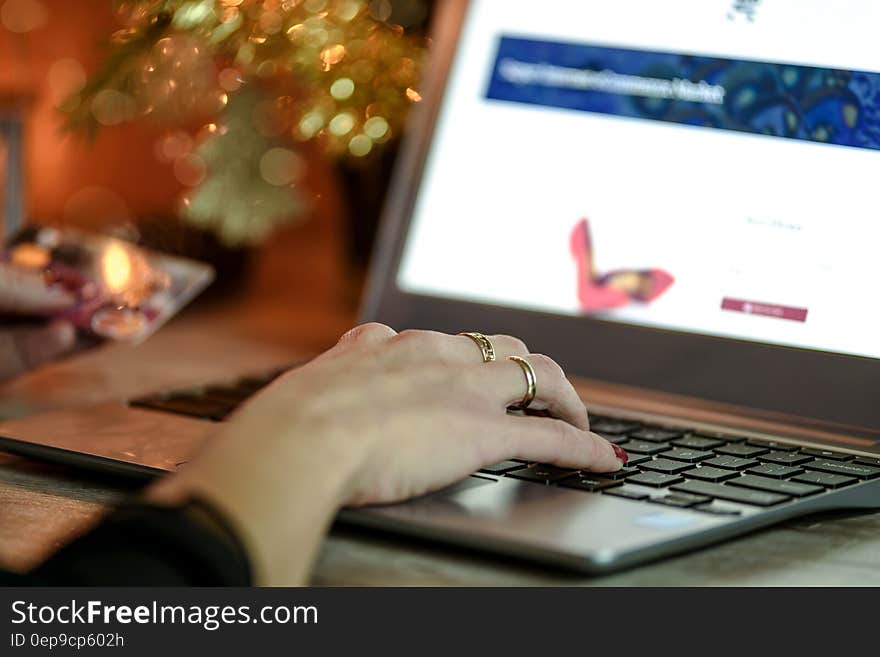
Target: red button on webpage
(764,309)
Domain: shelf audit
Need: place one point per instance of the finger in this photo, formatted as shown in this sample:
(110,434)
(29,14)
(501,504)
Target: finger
(25,349)
(367,334)
(24,292)
(547,440)
(453,349)
(503,345)
(504,384)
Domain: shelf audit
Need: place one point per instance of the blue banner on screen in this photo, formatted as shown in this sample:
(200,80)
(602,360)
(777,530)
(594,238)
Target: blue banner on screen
(797,102)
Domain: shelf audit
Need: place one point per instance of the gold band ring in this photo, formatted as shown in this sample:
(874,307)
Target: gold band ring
(531,381)
(484,344)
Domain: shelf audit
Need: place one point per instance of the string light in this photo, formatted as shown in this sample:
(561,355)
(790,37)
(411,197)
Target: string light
(340,55)
(337,72)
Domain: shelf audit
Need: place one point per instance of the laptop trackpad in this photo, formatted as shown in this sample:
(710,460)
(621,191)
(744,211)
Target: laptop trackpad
(482,510)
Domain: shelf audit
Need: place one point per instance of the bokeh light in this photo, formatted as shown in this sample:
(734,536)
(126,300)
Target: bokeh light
(230,79)
(189,170)
(112,107)
(22,16)
(341,124)
(281,166)
(360,145)
(173,145)
(381,9)
(342,89)
(66,78)
(247,80)
(332,55)
(376,128)
(310,124)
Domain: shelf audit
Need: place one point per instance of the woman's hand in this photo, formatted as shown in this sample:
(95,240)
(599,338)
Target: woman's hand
(24,348)
(380,417)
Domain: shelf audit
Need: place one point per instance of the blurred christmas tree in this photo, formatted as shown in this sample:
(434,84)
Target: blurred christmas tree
(258,77)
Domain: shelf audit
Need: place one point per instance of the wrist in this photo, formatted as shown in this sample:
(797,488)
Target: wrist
(279,511)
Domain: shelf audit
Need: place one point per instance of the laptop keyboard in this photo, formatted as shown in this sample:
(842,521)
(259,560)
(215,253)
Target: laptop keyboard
(214,402)
(671,467)
(689,469)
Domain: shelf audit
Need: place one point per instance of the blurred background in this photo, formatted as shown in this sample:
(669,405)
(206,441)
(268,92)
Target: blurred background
(257,135)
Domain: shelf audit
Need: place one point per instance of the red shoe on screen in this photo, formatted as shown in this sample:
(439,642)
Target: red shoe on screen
(592,296)
(644,285)
(614,289)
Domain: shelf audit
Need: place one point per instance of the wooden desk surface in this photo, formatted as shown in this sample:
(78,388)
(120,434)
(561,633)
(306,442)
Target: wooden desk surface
(42,506)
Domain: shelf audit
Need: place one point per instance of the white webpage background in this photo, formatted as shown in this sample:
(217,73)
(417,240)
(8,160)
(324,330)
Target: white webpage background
(728,214)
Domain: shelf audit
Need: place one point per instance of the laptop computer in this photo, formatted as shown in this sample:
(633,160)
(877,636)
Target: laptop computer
(675,200)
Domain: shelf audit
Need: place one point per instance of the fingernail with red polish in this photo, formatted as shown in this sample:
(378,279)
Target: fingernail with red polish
(622,456)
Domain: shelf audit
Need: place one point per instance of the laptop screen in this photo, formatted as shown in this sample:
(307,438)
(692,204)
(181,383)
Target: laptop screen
(704,166)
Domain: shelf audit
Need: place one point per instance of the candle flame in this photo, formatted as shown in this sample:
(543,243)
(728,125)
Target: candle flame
(116,267)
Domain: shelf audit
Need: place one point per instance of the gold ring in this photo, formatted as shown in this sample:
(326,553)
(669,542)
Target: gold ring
(531,382)
(484,344)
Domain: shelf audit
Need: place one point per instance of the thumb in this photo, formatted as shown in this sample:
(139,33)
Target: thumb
(25,349)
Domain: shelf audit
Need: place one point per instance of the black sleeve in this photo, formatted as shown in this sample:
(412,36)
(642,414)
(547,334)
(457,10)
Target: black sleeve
(143,545)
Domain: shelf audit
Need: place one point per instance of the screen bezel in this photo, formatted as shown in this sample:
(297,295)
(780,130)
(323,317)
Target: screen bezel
(829,390)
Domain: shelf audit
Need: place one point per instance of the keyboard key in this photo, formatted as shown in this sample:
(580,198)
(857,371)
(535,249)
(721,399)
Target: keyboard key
(501,468)
(698,442)
(627,492)
(645,447)
(730,462)
(227,394)
(258,382)
(613,438)
(655,435)
(681,500)
(623,473)
(846,469)
(772,444)
(654,479)
(193,407)
(867,460)
(731,493)
(717,509)
(775,471)
(708,473)
(214,402)
(666,465)
(590,483)
(250,384)
(743,450)
(636,459)
(724,437)
(197,399)
(825,479)
(827,454)
(545,474)
(792,488)
(604,425)
(785,458)
(688,455)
